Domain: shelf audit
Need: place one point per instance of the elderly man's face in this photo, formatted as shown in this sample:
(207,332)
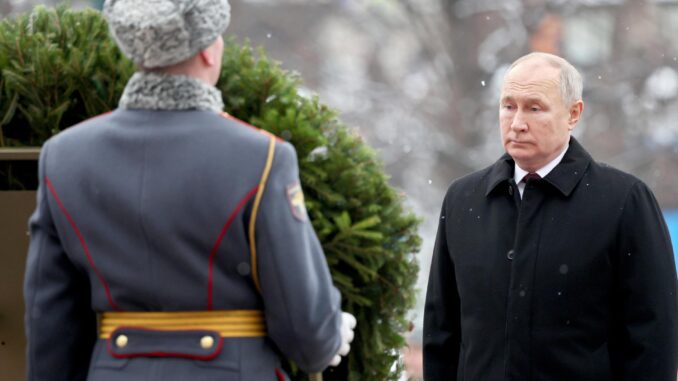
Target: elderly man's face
(535,123)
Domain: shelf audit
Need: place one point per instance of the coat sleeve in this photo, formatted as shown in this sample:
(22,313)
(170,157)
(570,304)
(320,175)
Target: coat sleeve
(302,306)
(60,324)
(442,329)
(648,298)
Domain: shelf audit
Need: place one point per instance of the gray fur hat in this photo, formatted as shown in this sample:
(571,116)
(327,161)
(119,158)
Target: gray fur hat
(159,33)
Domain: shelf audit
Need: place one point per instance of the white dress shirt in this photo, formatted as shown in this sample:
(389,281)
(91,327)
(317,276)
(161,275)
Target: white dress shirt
(519,173)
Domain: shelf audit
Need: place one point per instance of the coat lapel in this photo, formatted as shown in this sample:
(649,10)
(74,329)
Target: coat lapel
(564,177)
(501,171)
(569,172)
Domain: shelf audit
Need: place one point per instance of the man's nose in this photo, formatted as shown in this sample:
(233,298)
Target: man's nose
(518,123)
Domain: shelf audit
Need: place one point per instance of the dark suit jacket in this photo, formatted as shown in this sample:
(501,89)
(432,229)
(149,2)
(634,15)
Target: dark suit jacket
(575,282)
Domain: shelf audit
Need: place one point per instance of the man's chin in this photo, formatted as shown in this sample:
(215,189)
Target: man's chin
(519,151)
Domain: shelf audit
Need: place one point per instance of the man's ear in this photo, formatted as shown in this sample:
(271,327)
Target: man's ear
(575,114)
(207,57)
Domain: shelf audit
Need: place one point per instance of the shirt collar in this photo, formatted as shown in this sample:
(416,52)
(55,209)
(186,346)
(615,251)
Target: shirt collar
(564,177)
(519,173)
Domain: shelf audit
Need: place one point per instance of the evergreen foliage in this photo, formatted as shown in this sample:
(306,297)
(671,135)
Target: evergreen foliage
(60,67)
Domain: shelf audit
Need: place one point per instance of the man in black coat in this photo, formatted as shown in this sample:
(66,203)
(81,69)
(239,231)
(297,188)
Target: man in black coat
(548,265)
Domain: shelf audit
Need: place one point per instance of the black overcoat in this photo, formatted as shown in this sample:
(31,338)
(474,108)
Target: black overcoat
(576,281)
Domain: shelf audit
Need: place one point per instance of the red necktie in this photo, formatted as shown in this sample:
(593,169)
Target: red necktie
(531,176)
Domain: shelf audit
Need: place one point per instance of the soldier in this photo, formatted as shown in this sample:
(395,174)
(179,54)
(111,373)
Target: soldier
(170,240)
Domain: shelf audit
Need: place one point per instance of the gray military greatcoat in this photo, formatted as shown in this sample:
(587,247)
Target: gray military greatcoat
(147,209)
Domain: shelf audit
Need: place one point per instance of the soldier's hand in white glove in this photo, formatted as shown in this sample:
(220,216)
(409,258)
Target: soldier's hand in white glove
(348,323)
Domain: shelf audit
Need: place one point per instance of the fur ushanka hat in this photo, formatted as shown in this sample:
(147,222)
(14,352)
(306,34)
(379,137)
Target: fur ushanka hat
(159,33)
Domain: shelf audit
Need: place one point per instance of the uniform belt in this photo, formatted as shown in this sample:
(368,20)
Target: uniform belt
(228,323)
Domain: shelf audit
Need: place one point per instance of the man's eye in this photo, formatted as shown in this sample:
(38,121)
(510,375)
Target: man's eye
(508,107)
(535,109)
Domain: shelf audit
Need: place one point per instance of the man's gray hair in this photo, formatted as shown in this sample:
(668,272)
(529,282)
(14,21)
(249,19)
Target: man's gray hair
(571,84)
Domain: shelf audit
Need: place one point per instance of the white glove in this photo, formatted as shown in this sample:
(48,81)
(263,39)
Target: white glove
(348,323)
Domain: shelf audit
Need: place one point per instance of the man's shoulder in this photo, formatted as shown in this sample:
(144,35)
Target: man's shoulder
(81,129)
(605,176)
(615,178)
(469,184)
(243,128)
(257,135)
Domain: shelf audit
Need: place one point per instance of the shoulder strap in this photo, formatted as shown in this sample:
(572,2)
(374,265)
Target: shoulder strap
(255,209)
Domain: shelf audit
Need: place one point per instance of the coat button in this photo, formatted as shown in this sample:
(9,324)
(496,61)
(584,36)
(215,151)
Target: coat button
(207,342)
(511,254)
(121,341)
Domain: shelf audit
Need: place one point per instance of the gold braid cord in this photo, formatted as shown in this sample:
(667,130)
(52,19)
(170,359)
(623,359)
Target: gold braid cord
(255,209)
